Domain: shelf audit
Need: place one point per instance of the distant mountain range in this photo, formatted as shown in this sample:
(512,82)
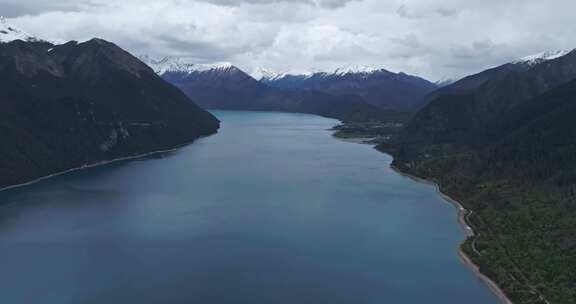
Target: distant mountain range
(377,86)
(76,104)
(225,86)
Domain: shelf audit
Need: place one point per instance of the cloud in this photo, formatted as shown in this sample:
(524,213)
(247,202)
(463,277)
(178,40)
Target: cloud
(432,38)
(331,4)
(403,12)
(14,8)
(446,12)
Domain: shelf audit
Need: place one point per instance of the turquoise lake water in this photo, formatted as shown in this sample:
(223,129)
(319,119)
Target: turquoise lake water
(270,210)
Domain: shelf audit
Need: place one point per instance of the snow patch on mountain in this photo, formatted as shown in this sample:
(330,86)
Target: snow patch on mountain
(356,69)
(267,75)
(183,65)
(442,82)
(10,33)
(542,56)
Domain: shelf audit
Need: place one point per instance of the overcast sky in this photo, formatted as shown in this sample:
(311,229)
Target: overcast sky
(432,38)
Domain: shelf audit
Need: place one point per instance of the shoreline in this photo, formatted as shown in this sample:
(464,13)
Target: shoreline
(462,214)
(461,211)
(97,164)
(468,230)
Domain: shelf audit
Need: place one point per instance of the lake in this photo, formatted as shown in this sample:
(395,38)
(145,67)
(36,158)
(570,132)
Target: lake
(270,210)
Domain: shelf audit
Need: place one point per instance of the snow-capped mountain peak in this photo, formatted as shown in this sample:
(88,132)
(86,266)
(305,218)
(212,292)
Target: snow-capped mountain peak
(355,69)
(9,33)
(442,82)
(542,56)
(183,65)
(267,75)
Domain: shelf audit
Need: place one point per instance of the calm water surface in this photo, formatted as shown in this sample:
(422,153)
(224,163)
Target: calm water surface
(270,210)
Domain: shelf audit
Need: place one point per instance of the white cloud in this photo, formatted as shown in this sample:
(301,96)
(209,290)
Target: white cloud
(432,38)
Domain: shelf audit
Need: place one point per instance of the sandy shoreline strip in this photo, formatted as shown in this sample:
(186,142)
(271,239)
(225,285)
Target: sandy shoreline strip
(462,213)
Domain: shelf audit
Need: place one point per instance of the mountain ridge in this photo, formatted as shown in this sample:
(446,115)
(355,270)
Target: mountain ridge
(9,33)
(227,87)
(378,86)
(461,111)
(76,104)
(502,143)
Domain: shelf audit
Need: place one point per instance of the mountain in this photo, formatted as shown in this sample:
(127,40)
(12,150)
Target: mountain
(379,87)
(10,33)
(225,86)
(214,86)
(475,81)
(444,82)
(541,57)
(521,189)
(503,145)
(76,104)
(462,112)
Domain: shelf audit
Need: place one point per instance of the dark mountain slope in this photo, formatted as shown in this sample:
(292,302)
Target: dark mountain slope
(76,104)
(463,116)
(472,82)
(224,88)
(519,182)
(540,137)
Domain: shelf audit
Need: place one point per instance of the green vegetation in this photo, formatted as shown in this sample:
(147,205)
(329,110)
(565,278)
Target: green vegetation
(372,132)
(517,173)
(376,131)
(526,222)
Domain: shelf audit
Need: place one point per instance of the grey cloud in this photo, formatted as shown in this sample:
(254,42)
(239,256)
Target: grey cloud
(408,40)
(409,13)
(485,44)
(15,8)
(331,4)
(403,12)
(431,38)
(445,12)
(201,51)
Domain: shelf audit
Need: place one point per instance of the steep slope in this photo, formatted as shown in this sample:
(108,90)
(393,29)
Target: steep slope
(76,104)
(509,159)
(540,135)
(397,91)
(521,189)
(214,86)
(224,86)
(462,112)
(475,81)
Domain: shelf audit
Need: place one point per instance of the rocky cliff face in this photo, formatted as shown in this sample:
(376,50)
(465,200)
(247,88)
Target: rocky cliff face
(66,106)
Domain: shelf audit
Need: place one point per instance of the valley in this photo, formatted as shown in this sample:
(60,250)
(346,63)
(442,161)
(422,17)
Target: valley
(330,223)
(132,179)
